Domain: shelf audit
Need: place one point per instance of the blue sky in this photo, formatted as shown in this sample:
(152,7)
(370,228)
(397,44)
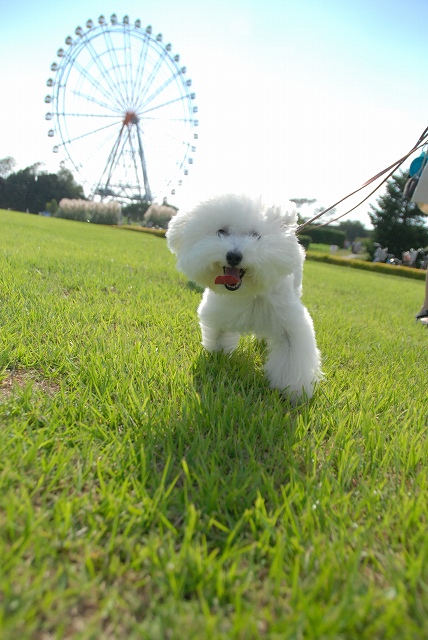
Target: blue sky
(301,98)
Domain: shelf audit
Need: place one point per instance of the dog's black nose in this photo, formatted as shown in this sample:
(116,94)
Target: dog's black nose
(233,258)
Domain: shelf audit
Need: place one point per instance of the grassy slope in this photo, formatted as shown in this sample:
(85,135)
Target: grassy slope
(147,487)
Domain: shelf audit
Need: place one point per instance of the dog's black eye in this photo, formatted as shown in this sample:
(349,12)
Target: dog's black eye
(222,232)
(256,235)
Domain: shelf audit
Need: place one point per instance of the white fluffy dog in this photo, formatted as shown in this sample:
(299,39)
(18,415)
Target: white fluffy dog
(250,262)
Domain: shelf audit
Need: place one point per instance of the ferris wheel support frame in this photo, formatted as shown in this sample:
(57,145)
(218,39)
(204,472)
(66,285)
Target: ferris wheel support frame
(148,193)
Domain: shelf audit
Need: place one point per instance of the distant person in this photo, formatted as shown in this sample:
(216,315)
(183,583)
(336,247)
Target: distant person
(423,313)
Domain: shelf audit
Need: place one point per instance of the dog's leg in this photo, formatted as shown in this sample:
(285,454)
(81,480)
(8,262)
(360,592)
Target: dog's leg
(211,317)
(293,363)
(216,340)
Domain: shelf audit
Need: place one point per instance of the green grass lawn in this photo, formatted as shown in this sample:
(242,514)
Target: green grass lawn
(152,491)
(325,248)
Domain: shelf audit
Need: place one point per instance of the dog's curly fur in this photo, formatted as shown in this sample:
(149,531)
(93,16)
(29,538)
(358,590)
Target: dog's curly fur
(253,253)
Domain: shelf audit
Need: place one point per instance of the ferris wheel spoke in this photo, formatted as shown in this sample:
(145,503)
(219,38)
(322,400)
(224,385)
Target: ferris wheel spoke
(94,82)
(116,67)
(85,135)
(105,72)
(165,104)
(160,119)
(142,104)
(103,149)
(177,144)
(139,74)
(180,140)
(128,62)
(95,101)
(153,74)
(87,115)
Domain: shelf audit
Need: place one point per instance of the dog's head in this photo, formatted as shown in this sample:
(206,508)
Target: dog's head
(233,243)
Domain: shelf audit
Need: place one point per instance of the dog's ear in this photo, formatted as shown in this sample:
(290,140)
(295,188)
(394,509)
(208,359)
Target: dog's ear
(287,219)
(175,231)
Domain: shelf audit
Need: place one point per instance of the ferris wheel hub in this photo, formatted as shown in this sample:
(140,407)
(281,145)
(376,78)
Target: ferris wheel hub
(130,118)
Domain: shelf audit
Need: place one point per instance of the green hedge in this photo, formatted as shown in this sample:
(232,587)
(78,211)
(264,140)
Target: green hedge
(305,241)
(378,267)
(326,235)
(155,232)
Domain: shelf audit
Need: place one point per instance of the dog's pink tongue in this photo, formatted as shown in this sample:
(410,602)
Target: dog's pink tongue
(231,276)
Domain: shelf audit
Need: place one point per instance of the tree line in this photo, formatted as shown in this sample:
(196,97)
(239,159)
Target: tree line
(32,189)
(397,223)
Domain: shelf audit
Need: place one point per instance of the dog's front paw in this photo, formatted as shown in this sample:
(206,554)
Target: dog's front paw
(214,340)
(295,390)
(296,377)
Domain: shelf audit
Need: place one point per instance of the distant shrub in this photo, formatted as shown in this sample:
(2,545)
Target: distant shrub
(368,244)
(105,213)
(52,207)
(305,241)
(72,210)
(159,214)
(326,235)
(88,211)
(377,267)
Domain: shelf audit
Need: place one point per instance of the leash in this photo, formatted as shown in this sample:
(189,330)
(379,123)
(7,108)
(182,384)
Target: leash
(389,170)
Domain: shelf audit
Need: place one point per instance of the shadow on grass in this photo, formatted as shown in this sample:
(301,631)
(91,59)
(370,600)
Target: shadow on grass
(242,373)
(192,286)
(236,435)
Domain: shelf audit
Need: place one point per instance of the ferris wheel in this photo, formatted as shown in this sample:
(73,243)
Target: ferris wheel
(123,112)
